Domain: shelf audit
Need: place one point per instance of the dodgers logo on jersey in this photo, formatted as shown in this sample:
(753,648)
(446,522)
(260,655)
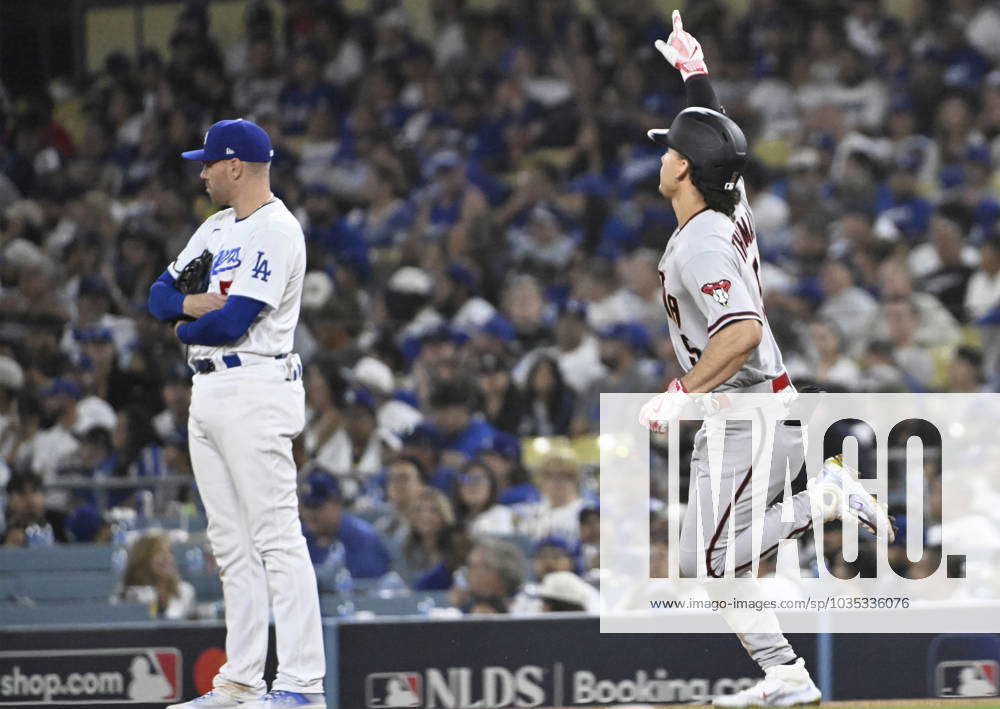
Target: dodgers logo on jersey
(226,260)
(718,290)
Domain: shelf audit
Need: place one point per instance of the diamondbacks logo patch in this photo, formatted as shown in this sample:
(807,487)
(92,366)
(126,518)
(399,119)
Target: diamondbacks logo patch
(718,290)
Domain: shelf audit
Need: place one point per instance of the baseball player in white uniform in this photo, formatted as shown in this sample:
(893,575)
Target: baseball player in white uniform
(247,404)
(713,295)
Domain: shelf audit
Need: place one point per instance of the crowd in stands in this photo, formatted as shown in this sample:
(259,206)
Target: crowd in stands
(483,227)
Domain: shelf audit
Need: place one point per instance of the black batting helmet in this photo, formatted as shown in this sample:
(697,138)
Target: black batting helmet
(711,141)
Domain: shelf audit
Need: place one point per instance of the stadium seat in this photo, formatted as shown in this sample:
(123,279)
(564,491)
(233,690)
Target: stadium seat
(335,605)
(206,586)
(77,557)
(57,585)
(72,613)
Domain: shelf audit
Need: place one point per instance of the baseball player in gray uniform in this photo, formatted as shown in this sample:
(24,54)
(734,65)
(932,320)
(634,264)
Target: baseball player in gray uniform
(713,295)
(247,404)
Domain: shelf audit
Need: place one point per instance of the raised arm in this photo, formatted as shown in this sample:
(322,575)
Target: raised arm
(685,55)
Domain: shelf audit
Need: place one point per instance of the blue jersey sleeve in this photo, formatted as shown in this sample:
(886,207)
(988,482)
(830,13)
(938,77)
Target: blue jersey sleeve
(165,301)
(219,327)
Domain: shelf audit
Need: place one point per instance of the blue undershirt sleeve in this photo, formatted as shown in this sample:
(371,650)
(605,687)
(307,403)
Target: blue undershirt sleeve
(165,301)
(222,326)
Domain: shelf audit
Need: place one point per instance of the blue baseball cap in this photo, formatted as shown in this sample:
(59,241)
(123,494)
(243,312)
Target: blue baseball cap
(557,542)
(506,445)
(62,386)
(319,487)
(360,397)
(234,139)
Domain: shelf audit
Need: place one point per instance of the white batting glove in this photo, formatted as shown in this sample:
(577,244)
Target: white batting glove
(682,50)
(657,413)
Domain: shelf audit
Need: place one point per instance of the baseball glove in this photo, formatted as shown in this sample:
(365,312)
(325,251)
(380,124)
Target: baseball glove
(194,278)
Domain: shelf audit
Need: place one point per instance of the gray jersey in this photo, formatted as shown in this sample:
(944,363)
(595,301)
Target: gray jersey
(710,271)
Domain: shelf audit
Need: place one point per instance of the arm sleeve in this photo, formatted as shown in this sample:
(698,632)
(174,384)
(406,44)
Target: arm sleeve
(219,327)
(714,280)
(699,92)
(165,301)
(265,265)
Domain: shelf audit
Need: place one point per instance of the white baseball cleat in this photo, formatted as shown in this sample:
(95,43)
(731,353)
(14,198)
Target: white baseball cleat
(280,699)
(214,699)
(782,686)
(838,493)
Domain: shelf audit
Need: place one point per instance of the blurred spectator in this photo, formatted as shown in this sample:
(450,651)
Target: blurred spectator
(936,326)
(385,219)
(983,293)
(541,245)
(849,307)
(52,446)
(327,524)
(563,591)
(879,371)
(475,499)
(405,479)
(523,303)
(11,384)
(432,512)
(640,274)
(305,93)
(392,415)
(913,359)
(576,348)
(553,554)
(325,389)
(965,373)
(949,277)
(450,206)
(503,405)
(549,401)
(558,512)
(464,433)
(454,545)
(825,361)
(620,347)
(513,480)
(176,393)
(93,314)
(495,570)
(151,577)
(86,524)
(590,540)
(258,89)
(356,448)
(26,511)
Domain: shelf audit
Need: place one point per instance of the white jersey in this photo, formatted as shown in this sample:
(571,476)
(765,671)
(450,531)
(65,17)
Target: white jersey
(262,256)
(710,272)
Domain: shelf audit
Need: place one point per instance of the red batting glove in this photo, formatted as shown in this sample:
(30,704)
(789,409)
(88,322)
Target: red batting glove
(682,50)
(657,413)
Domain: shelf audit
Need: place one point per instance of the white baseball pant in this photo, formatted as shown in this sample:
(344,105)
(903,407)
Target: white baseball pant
(751,476)
(241,427)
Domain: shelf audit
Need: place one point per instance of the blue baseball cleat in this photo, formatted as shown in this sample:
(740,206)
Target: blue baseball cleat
(280,699)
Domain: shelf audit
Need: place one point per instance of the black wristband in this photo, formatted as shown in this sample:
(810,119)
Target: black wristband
(699,92)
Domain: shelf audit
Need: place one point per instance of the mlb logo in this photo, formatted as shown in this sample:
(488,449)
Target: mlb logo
(155,676)
(968,678)
(384,690)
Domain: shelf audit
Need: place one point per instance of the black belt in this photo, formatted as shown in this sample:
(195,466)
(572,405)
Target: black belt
(207,366)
